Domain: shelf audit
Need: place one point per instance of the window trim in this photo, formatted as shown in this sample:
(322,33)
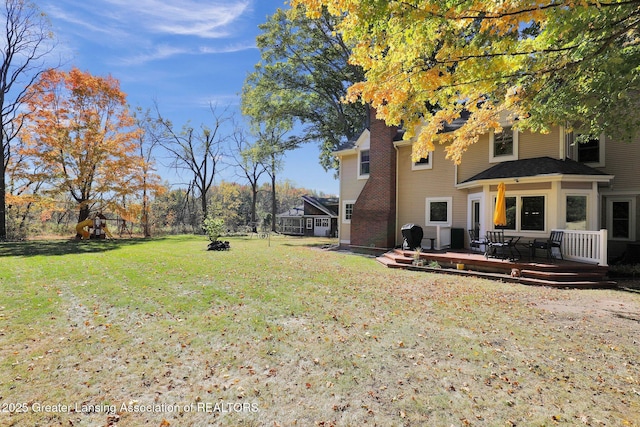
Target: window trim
(518,222)
(428,201)
(309,223)
(422,166)
(363,175)
(587,196)
(505,158)
(601,151)
(346,220)
(632,217)
(544,213)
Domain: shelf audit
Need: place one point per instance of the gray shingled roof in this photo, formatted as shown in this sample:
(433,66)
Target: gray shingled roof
(327,204)
(448,127)
(533,167)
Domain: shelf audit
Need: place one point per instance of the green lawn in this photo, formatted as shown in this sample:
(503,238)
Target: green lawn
(163,332)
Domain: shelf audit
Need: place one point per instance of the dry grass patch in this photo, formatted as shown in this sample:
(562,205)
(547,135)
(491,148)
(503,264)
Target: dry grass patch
(290,334)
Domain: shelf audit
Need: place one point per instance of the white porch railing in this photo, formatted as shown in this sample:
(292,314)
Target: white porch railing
(585,246)
(441,236)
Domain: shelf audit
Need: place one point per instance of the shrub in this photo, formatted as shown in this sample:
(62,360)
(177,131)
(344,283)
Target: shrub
(213,227)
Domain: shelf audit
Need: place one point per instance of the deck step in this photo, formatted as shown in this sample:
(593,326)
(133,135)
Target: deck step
(584,284)
(389,262)
(564,268)
(399,257)
(559,276)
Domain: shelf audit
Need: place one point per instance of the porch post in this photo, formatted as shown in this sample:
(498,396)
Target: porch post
(602,235)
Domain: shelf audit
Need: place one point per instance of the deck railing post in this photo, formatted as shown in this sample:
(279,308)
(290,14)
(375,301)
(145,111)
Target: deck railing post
(603,247)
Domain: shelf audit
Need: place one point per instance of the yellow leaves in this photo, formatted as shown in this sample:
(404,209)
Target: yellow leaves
(430,52)
(79,132)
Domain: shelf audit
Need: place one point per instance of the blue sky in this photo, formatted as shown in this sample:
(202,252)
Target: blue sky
(184,54)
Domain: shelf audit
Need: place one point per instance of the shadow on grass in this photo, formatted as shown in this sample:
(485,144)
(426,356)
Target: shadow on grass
(63,247)
(310,242)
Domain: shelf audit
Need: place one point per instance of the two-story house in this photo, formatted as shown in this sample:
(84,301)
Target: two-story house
(589,190)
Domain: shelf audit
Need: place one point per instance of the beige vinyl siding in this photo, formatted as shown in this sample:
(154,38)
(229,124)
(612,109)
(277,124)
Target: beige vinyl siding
(532,145)
(621,160)
(350,188)
(576,185)
(520,188)
(414,186)
(475,159)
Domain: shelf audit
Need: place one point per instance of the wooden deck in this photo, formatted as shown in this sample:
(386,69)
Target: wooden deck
(540,271)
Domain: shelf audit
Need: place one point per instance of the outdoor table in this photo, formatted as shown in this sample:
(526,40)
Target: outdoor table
(512,241)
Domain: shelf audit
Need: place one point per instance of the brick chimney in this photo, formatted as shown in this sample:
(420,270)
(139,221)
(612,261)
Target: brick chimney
(373,221)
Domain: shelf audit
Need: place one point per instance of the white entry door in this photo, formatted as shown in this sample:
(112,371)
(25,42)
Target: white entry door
(321,227)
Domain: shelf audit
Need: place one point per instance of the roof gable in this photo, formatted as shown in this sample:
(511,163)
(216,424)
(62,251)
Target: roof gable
(327,205)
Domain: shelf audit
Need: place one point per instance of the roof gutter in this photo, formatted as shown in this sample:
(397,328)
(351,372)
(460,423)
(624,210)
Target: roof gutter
(534,179)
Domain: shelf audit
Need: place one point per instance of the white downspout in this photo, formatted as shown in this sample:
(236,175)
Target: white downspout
(395,228)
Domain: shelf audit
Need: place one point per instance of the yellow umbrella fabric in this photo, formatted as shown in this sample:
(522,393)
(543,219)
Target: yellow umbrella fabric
(500,214)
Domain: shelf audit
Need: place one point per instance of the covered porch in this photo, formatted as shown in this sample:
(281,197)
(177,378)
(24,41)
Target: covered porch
(540,196)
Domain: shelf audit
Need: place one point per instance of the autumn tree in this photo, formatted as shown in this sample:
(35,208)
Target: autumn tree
(81,136)
(272,146)
(302,78)
(546,63)
(150,182)
(25,185)
(197,152)
(248,158)
(26,42)
(230,202)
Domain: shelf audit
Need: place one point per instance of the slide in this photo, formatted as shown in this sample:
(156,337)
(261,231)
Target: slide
(107,232)
(80,228)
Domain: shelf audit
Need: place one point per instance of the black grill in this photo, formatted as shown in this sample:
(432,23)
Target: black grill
(412,236)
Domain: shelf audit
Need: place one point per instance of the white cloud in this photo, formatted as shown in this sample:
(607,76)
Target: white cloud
(200,18)
(135,32)
(160,52)
(239,47)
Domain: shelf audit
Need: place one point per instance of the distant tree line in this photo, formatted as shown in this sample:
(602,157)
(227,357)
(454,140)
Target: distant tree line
(173,211)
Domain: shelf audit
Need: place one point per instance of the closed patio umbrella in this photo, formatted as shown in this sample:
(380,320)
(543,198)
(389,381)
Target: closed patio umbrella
(500,213)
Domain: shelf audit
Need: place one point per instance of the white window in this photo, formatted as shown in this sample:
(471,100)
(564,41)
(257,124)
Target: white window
(532,213)
(439,211)
(309,223)
(576,212)
(363,164)
(524,213)
(621,218)
(322,222)
(347,211)
(503,146)
(587,150)
(423,163)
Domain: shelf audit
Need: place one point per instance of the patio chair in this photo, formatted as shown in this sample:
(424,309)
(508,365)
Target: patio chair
(496,246)
(475,241)
(500,246)
(554,241)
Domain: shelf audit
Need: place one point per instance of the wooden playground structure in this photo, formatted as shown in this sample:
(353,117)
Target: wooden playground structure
(95,227)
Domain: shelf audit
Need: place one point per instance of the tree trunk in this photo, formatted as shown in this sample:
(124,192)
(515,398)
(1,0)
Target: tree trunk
(274,203)
(3,204)
(203,202)
(84,212)
(254,202)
